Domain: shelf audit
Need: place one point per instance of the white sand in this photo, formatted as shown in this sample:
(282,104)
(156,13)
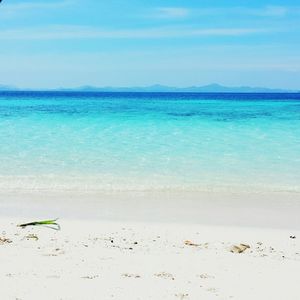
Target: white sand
(133,247)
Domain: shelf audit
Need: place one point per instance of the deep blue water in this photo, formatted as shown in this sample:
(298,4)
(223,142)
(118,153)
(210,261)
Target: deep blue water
(69,140)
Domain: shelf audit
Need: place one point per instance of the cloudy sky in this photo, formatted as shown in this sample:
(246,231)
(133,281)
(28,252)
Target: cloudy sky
(56,43)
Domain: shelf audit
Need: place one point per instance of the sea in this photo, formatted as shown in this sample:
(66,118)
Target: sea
(90,141)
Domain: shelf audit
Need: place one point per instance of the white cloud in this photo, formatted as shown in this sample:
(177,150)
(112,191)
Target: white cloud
(271,11)
(14,10)
(172,12)
(21,6)
(276,11)
(264,11)
(81,32)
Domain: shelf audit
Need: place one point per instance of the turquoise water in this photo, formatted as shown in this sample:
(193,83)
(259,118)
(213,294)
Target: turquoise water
(133,141)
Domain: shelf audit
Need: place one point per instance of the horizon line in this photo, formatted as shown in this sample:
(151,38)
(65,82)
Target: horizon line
(152,88)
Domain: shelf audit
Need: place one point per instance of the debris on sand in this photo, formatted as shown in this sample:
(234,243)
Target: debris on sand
(205,276)
(4,240)
(131,275)
(165,275)
(182,296)
(292,237)
(49,223)
(32,236)
(240,248)
(90,277)
(189,243)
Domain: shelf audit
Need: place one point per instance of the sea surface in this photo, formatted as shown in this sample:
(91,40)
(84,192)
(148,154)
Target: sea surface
(149,141)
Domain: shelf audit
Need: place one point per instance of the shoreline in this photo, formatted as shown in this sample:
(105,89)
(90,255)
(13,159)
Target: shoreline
(111,184)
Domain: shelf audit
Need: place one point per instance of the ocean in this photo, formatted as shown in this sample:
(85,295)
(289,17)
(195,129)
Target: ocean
(149,141)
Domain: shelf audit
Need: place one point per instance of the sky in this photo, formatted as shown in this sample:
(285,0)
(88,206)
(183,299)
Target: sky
(70,43)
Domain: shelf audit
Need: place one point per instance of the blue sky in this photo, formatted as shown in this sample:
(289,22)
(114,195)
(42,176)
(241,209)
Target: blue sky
(55,43)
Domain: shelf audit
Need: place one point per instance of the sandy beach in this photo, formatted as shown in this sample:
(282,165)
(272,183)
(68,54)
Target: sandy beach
(151,246)
(149,150)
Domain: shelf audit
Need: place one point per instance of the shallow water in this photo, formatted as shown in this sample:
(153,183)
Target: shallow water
(145,141)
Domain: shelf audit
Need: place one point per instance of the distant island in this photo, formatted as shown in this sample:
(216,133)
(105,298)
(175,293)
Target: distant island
(211,88)
(7,88)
